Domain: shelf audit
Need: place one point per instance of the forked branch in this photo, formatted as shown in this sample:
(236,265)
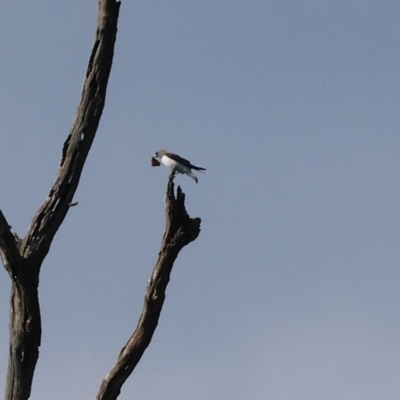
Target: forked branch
(180,230)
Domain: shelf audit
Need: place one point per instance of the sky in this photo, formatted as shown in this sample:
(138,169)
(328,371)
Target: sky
(291,291)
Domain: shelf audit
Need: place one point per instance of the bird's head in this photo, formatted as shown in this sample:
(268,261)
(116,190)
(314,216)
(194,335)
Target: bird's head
(160,153)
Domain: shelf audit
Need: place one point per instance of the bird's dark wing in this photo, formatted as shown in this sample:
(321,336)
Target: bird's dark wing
(179,159)
(183,161)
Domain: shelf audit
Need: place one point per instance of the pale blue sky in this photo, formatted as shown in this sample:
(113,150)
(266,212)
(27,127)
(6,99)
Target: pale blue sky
(291,291)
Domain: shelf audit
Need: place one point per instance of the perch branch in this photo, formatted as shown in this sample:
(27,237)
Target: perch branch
(180,230)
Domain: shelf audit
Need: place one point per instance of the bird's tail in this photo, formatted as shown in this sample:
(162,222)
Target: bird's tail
(197,168)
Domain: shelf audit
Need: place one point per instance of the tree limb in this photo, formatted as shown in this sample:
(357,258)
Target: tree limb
(8,248)
(51,214)
(180,230)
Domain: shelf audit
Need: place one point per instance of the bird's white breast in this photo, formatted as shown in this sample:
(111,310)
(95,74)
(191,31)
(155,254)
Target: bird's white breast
(169,162)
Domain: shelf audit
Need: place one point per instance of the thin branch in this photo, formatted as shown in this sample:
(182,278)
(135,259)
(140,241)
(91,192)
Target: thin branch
(51,214)
(8,248)
(180,231)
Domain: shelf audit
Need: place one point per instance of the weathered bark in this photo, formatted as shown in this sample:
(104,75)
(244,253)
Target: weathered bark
(25,335)
(180,230)
(23,258)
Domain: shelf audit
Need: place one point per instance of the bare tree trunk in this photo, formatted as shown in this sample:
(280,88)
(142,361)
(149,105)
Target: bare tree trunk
(22,259)
(180,230)
(25,333)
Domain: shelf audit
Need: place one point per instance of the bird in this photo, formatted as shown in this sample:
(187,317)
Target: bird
(178,164)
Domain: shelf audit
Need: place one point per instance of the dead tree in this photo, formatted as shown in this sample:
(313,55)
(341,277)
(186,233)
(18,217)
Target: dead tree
(22,258)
